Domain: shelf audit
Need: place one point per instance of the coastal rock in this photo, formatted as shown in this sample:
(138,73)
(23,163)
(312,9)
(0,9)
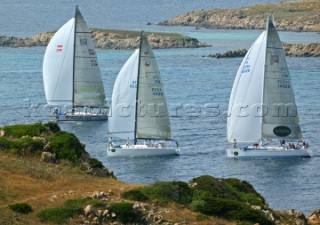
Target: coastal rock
(314,217)
(48,157)
(229,54)
(101,172)
(289,16)
(110,40)
(292,50)
(88,210)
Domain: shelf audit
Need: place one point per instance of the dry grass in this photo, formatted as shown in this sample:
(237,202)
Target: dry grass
(42,185)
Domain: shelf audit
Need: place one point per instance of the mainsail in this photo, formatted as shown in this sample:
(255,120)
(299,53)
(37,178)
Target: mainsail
(152,112)
(88,86)
(262,102)
(71,71)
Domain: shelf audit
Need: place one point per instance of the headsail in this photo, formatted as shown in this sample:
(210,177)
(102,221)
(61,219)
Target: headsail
(122,111)
(58,66)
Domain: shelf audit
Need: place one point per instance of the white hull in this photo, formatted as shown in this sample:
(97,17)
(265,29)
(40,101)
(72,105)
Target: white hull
(81,117)
(141,151)
(269,152)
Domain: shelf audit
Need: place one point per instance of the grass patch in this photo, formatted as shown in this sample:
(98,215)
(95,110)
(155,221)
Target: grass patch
(82,202)
(21,130)
(23,208)
(58,215)
(124,34)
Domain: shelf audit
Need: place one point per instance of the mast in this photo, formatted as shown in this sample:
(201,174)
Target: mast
(136,110)
(74,52)
(269,20)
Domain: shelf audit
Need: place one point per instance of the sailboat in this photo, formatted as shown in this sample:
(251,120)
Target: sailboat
(139,113)
(262,112)
(71,74)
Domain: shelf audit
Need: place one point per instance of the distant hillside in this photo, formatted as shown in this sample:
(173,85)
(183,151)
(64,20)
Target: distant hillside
(303,15)
(111,39)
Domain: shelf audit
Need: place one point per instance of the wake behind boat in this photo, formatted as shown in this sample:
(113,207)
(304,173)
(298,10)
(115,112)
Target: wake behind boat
(139,109)
(71,74)
(262,108)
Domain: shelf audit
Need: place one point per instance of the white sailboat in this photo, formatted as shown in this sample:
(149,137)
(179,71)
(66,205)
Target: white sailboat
(139,112)
(262,110)
(71,74)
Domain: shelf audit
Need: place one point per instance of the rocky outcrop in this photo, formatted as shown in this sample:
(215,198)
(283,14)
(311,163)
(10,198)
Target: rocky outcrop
(292,50)
(110,40)
(230,54)
(289,16)
(301,50)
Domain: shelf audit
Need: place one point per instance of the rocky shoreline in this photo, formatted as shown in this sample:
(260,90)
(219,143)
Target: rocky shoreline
(109,39)
(289,16)
(291,50)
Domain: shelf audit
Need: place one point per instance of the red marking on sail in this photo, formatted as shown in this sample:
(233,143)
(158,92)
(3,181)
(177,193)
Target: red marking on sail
(59,48)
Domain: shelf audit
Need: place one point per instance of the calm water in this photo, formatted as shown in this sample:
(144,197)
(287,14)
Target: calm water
(191,82)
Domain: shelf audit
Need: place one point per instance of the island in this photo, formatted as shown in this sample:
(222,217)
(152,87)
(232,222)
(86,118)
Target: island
(47,177)
(301,15)
(111,39)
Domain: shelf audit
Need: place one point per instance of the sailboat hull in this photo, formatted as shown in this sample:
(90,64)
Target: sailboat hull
(81,117)
(141,151)
(270,152)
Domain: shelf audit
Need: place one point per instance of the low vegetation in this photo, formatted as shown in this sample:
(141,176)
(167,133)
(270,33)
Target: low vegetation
(24,208)
(33,191)
(228,198)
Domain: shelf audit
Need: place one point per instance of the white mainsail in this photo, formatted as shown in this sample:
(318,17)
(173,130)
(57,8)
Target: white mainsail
(261,89)
(71,71)
(152,114)
(88,86)
(138,106)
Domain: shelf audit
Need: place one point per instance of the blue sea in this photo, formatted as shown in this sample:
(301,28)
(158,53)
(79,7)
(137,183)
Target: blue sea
(193,85)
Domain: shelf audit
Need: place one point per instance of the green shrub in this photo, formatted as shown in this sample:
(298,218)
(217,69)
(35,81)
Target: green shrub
(215,186)
(82,202)
(95,163)
(24,208)
(135,195)
(4,143)
(53,127)
(248,214)
(66,146)
(58,215)
(20,130)
(165,192)
(124,212)
(21,146)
